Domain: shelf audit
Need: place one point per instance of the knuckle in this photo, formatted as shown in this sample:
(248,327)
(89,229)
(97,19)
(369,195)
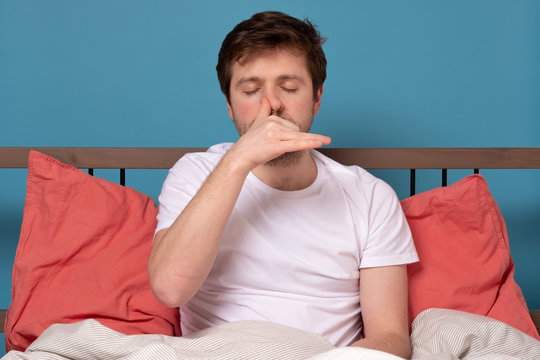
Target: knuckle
(271,123)
(270,134)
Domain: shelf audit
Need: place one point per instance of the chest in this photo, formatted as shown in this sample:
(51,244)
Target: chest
(290,244)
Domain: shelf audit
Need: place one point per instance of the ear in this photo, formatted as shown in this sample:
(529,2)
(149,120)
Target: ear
(317,101)
(230,109)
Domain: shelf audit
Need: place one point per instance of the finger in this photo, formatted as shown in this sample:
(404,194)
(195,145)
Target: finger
(290,124)
(264,110)
(305,142)
(284,124)
(293,135)
(302,144)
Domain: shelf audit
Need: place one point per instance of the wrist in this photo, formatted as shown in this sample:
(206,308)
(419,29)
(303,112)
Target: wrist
(234,167)
(235,164)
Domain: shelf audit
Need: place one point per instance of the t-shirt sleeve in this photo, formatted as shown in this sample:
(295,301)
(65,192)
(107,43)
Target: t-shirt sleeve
(389,240)
(181,185)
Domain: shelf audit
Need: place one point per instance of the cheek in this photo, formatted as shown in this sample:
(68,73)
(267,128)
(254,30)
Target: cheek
(304,107)
(247,108)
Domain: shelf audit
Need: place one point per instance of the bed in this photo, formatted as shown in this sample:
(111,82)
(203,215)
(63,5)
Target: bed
(55,169)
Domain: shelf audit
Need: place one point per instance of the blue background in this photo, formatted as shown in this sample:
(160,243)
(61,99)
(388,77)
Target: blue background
(427,73)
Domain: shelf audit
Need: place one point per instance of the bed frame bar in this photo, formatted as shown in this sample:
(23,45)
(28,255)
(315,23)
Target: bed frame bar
(369,158)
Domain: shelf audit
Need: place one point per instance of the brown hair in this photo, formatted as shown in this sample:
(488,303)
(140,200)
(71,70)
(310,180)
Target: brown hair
(270,30)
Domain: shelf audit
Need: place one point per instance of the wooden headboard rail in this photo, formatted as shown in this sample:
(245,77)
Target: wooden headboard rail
(369,158)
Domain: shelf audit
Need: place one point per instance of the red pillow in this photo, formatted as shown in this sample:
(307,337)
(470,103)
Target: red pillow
(465,261)
(82,254)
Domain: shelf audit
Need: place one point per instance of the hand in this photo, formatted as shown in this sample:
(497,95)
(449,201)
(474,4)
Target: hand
(269,137)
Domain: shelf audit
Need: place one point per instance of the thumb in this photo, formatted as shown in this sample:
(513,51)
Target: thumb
(264,110)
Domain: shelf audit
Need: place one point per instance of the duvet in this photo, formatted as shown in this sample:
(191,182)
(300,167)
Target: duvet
(437,334)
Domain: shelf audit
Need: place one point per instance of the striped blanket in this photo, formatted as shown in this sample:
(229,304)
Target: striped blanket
(437,335)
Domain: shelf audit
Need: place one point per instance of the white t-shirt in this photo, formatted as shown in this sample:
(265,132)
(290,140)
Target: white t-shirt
(292,257)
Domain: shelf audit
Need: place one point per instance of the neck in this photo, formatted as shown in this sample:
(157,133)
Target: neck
(289,176)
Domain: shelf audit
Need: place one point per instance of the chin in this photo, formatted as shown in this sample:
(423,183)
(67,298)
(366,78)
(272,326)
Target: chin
(286,160)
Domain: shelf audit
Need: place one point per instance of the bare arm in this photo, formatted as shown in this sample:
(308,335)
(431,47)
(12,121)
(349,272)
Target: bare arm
(183,254)
(383,297)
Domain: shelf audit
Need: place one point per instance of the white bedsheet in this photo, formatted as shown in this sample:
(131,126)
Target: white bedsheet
(437,335)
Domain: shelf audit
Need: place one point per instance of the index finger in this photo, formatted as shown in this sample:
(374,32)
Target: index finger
(264,110)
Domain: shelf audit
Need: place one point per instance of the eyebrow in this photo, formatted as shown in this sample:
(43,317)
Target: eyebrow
(258,80)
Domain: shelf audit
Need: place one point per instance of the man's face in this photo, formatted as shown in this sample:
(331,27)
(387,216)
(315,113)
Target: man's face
(281,77)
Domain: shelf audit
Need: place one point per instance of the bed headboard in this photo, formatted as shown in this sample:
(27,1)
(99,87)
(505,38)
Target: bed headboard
(369,158)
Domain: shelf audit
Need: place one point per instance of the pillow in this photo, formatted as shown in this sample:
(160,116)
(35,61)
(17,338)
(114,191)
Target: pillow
(82,254)
(465,261)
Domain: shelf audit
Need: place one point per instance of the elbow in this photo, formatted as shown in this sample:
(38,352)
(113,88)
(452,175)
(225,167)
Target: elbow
(166,297)
(166,290)
(168,283)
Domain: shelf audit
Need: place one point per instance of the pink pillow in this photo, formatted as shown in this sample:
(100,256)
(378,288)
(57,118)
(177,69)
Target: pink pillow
(82,254)
(465,261)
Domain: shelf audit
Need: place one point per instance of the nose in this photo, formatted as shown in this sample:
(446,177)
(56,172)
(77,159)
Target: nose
(275,102)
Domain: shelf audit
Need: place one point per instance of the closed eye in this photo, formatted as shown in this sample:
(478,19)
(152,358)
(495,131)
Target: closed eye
(290,90)
(251,92)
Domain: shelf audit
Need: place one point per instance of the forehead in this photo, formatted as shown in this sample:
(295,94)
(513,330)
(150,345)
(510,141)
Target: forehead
(270,64)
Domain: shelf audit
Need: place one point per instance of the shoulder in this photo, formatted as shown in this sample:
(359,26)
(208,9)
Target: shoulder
(354,178)
(186,177)
(201,162)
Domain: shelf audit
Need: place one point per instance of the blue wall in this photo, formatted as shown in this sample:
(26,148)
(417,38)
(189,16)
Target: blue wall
(401,74)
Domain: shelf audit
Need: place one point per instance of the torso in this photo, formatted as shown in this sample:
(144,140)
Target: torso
(292,257)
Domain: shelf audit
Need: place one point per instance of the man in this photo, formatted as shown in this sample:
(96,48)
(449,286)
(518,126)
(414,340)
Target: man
(268,228)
